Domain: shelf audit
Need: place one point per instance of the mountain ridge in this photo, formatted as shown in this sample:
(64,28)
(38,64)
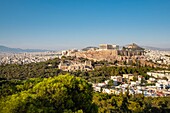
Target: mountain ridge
(156,48)
(6,49)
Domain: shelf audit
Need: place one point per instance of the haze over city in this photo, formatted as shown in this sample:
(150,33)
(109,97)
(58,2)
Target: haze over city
(64,24)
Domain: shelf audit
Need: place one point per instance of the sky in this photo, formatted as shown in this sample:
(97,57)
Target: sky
(67,24)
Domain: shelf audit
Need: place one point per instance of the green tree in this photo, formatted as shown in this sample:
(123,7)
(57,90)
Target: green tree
(57,94)
(110,83)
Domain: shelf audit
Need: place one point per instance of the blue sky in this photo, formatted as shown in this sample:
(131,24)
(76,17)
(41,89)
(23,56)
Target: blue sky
(63,24)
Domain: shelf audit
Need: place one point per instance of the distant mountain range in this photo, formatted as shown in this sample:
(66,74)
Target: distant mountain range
(4,49)
(156,48)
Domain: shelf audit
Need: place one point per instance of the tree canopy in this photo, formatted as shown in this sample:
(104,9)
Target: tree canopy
(57,94)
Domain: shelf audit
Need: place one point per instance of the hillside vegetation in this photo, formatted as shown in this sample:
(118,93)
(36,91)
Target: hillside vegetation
(43,88)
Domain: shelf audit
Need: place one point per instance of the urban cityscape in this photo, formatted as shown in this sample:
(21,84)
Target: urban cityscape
(159,80)
(84,56)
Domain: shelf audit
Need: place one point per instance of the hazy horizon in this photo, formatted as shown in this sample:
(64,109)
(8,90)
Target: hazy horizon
(63,24)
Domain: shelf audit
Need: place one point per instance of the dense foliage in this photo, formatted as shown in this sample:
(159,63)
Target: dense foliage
(32,70)
(67,93)
(131,104)
(42,87)
(104,72)
(57,94)
(50,69)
